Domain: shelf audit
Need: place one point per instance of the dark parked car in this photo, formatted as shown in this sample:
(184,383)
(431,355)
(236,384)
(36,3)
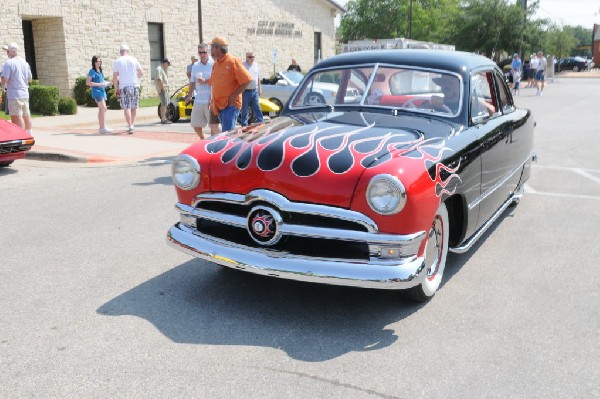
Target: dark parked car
(367,192)
(575,64)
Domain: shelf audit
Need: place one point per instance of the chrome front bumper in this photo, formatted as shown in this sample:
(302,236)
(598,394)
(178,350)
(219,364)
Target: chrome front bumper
(375,273)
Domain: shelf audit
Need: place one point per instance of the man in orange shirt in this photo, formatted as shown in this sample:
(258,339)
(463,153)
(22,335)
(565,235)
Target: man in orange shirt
(228,80)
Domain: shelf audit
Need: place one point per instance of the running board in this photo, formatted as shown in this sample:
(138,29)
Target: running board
(466,245)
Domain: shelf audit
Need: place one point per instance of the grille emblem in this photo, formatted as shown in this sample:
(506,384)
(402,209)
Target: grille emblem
(264,225)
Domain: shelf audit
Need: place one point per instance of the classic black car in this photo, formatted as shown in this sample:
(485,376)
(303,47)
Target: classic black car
(368,190)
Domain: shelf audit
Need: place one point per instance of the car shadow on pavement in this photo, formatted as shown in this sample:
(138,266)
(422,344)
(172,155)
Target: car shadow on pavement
(7,170)
(202,303)
(455,262)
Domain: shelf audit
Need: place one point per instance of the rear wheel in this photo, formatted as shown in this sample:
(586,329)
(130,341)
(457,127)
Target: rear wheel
(172,112)
(5,164)
(436,251)
(575,68)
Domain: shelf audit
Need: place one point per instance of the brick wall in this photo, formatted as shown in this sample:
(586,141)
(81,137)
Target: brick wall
(68,33)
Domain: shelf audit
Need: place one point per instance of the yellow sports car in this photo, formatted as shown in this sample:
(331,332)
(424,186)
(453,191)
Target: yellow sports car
(178,109)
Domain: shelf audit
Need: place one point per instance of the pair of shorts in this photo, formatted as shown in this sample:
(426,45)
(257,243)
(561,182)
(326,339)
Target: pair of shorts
(100,99)
(18,107)
(539,75)
(129,97)
(201,115)
(164,97)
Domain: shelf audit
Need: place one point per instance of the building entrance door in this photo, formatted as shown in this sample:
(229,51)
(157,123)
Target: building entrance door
(29,47)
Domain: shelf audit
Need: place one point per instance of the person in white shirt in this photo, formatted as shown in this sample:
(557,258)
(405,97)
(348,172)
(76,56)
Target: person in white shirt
(201,111)
(252,92)
(533,66)
(16,76)
(127,72)
(539,75)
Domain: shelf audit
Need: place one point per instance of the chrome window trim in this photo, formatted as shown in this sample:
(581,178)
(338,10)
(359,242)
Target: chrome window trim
(376,66)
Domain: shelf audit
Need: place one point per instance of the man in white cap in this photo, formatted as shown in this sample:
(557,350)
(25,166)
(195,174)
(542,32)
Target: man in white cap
(127,72)
(16,76)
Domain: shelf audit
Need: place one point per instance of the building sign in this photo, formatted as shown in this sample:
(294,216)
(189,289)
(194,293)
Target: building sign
(275,28)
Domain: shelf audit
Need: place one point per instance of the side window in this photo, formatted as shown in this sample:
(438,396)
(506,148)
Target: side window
(484,103)
(506,104)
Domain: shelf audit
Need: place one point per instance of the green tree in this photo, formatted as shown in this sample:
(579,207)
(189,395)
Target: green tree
(490,26)
(385,19)
(560,41)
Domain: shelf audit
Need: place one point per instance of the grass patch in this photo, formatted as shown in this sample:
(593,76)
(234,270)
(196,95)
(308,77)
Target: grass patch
(6,117)
(149,102)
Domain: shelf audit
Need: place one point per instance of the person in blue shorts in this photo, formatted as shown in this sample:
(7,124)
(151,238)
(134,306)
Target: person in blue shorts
(95,80)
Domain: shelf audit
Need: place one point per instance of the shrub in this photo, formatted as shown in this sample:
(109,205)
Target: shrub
(79,90)
(67,106)
(89,101)
(43,99)
(113,101)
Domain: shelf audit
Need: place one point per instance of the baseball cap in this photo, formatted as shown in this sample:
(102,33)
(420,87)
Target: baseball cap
(124,47)
(12,46)
(166,60)
(220,41)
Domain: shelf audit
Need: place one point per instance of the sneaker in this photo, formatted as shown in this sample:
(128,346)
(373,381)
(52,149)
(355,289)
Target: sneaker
(131,129)
(539,93)
(106,130)
(166,122)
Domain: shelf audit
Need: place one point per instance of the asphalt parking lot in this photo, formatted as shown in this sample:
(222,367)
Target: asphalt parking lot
(95,304)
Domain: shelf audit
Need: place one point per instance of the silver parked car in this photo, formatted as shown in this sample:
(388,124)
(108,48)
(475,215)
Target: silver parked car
(279,89)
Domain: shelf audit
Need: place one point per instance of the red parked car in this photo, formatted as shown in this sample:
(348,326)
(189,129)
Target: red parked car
(14,143)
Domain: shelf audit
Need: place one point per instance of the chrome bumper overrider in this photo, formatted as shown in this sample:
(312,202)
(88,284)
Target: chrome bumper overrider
(373,273)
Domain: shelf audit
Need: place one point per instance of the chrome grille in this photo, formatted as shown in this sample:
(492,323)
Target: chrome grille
(11,147)
(306,230)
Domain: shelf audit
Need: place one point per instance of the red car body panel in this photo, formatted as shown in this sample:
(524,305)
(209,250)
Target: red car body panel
(14,142)
(305,171)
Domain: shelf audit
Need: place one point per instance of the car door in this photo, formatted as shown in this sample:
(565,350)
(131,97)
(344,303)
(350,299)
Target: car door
(490,116)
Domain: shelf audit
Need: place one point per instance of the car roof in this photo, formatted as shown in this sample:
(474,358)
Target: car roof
(455,61)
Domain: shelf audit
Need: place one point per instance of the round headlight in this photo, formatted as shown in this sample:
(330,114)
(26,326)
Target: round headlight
(386,194)
(186,172)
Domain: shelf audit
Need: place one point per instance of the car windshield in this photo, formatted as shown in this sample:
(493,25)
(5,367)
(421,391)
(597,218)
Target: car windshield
(413,89)
(293,76)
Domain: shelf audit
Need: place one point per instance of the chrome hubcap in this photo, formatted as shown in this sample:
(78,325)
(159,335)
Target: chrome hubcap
(433,249)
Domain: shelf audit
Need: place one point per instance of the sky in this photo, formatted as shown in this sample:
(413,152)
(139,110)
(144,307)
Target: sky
(562,12)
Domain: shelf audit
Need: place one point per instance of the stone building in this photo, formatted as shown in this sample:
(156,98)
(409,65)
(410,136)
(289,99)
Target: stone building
(59,37)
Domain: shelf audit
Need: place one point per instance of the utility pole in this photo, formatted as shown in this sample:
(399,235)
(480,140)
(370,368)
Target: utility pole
(522,51)
(410,20)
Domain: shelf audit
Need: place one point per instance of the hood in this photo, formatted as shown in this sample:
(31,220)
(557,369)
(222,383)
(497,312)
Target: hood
(10,132)
(311,157)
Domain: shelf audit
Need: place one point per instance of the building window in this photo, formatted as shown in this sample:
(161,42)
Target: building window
(157,45)
(318,54)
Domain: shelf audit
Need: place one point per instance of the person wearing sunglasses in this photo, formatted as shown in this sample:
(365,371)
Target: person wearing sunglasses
(252,92)
(95,80)
(199,83)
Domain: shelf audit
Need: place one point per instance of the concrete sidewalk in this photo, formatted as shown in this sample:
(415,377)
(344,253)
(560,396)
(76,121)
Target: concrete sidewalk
(75,138)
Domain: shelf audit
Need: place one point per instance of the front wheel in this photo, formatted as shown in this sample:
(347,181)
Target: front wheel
(278,103)
(436,251)
(5,164)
